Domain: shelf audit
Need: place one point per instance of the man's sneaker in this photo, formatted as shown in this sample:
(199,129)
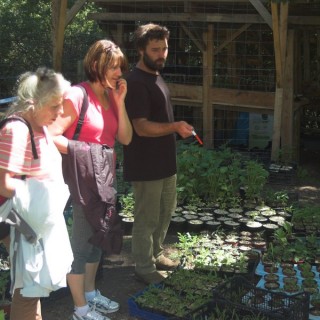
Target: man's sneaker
(103,304)
(91,315)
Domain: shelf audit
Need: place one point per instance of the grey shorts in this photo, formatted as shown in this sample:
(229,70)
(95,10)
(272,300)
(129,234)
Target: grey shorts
(83,251)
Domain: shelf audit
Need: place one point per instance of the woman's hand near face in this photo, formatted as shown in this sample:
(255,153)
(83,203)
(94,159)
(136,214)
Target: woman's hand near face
(124,134)
(119,93)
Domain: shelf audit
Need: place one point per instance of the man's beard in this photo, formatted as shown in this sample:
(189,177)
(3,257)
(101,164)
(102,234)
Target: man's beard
(153,65)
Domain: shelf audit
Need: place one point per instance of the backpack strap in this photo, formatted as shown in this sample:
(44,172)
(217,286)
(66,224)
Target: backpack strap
(83,111)
(16,118)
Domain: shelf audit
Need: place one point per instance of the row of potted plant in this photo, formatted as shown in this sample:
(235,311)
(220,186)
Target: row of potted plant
(218,175)
(218,252)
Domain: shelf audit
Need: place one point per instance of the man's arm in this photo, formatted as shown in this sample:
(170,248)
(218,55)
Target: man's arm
(146,128)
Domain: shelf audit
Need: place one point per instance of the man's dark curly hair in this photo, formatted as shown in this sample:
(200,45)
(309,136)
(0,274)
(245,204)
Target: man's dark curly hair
(148,32)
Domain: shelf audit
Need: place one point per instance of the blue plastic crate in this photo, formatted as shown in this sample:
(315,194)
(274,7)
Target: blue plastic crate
(135,311)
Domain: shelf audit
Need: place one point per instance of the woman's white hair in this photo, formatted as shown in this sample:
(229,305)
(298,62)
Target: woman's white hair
(35,89)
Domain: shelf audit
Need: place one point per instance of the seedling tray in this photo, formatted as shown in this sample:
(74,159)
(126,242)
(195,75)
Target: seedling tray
(154,313)
(244,297)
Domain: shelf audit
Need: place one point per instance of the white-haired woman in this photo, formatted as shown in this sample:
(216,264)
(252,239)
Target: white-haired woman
(33,192)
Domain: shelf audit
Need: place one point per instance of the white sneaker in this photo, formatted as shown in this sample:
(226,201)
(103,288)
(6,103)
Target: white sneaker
(103,304)
(91,315)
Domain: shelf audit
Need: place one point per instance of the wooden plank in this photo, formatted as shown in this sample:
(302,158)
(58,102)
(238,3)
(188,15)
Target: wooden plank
(74,10)
(180,17)
(232,37)
(198,17)
(276,40)
(171,2)
(207,84)
(192,95)
(306,56)
(297,63)
(304,20)
(284,9)
(288,101)
(59,28)
(200,45)
(265,14)
(277,125)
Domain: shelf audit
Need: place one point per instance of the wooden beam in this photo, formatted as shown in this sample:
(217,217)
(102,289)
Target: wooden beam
(60,19)
(72,12)
(277,116)
(192,95)
(306,57)
(287,130)
(200,45)
(207,84)
(318,50)
(284,9)
(171,2)
(184,17)
(280,25)
(198,17)
(265,14)
(232,37)
(276,40)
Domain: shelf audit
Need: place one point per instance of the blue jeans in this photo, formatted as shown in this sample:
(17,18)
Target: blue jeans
(155,201)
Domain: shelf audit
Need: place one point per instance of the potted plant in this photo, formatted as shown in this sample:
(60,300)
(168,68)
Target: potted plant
(126,212)
(273,285)
(127,205)
(292,280)
(289,271)
(291,287)
(254,179)
(315,302)
(309,283)
(271,277)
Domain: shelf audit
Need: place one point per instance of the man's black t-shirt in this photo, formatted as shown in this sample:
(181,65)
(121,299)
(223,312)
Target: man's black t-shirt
(149,158)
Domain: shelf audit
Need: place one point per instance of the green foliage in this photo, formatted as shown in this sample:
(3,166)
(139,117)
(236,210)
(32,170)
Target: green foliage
(79,35)
(127,203)
(21,47)
(217,175)
(26,39)
(4,280)
(254,179)
(306,213)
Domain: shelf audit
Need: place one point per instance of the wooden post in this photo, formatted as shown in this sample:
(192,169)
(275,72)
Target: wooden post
(206,86)
(280,27)
(59,9)
(306,57)
(287,145)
